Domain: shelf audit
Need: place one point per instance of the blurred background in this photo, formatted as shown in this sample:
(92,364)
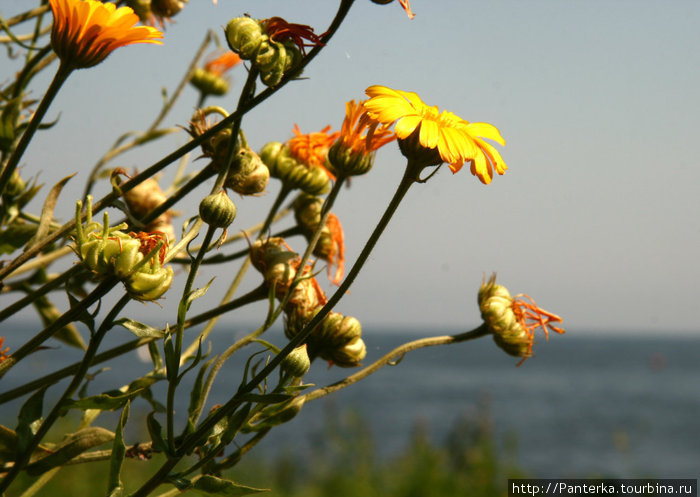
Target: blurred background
(596,217)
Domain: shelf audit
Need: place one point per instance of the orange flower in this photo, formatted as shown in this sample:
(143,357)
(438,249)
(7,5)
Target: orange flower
(280,30)
(312,148)
(3,352)
(360,133)
(407,7)
(222,64)
(336,251)
(85,32)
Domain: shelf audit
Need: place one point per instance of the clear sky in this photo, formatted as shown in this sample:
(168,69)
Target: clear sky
(597,216)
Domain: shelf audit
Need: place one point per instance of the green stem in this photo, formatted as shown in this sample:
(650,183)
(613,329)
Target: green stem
(162,473)
(410,176)
(59,78)
(95,341)
(181,315)
(394,355)
(186,148)
(46,288)
(255,295)
(67,317)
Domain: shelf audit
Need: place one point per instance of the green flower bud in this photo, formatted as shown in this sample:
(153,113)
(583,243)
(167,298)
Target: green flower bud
(112,252)
(348,356)
(292,173)
(269,54)
(217,210)
(148,286)
(337,338)
(297,363)
(343,161)
(512,320)
(244,36)
(209,83)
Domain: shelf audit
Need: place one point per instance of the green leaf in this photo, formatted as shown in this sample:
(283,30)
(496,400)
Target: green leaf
(155,430)
(72,446)
(67,334)
(141,330)
(15,236)
(268,398)
(211,485)
(114,483)
(29,419)
(197,397)
(235,423)
(47,210)
(108,401)
(172,360)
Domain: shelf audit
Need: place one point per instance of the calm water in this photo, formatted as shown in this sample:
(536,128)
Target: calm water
(583,406)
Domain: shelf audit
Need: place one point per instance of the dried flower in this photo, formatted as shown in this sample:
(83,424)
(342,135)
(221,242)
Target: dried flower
(513,320)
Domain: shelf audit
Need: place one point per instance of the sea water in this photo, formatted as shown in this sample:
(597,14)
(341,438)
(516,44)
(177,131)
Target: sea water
(585,405)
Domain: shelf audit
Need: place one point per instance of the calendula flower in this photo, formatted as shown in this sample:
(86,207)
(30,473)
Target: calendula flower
(85,32)
(435,136)
(312,148)
(360,137)
(513,320)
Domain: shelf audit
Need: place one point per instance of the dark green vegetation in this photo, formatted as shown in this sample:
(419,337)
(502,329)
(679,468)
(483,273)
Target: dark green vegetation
(343,460)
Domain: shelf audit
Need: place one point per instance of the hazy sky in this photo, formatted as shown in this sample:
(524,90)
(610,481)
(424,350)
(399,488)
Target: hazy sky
(597,217)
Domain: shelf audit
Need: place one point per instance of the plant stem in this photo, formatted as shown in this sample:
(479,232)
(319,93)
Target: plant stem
(67,317)
(95,341)
(46,288)
(173,379)
(59,78)
(255,295)
(395,354)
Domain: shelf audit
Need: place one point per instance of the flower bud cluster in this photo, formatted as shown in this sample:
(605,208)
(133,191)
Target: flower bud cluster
(248,174)
(330,246)
(135,258)
(255,40)
(293,172)
(337,338)
(512,321)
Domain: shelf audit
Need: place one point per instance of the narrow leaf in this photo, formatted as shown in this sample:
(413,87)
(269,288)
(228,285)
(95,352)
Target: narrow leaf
(211,485)
(29,419)
(155,430)
(108,401)
(141,330)
(74,445)
(47,210)
(118,452)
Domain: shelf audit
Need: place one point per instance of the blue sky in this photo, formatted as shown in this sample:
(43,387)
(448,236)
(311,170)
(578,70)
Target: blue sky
(597,217)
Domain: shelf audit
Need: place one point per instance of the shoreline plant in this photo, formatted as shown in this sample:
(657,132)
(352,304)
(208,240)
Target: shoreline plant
(133,259)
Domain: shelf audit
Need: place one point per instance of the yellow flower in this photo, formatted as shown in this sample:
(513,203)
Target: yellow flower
(85,32)
(448,137)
